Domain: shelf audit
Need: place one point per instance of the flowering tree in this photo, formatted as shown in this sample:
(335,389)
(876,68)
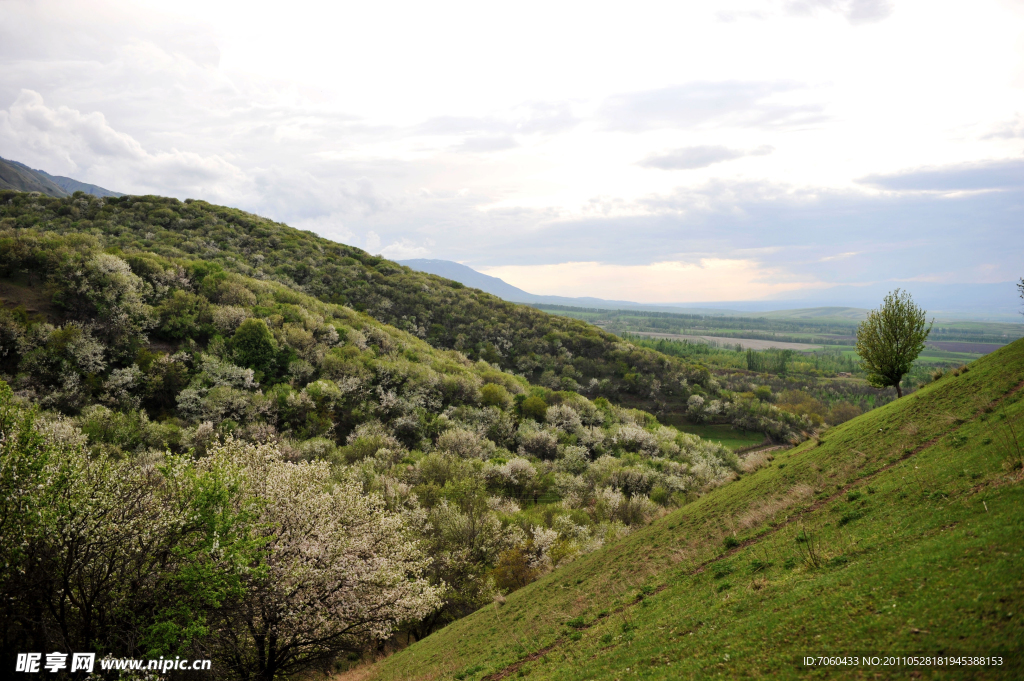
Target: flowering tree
(337,570)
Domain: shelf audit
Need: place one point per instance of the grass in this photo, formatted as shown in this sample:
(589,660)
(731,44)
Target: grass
(899,532)
(724,434)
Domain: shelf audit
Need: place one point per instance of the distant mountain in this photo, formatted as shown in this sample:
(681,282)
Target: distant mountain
(470,277)
(498,287)
(18,176)
(979,302)
(14,175)
(71,186)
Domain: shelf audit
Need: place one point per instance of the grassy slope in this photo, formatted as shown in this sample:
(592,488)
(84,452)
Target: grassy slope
(723,434)
(916,521)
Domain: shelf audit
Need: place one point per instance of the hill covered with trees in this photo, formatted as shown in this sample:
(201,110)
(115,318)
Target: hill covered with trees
(199,456)
(557,353)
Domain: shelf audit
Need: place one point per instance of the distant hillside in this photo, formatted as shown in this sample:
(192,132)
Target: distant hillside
(71,186)
(852,313)
(499,287)
(18,176)
(470,277)
(896,533)
(975,302)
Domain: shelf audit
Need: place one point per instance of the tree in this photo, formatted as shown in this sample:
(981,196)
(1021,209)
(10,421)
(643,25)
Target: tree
(891,338)
(254,345)
(338,570)
(1020,287)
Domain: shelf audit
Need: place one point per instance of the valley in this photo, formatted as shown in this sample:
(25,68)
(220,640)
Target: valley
(577,502)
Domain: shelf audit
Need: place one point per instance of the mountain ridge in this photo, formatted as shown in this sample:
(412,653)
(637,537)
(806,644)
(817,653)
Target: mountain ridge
(978,302)
(20,177)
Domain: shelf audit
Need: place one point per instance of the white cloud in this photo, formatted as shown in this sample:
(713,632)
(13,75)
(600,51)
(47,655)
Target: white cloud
(85,146)
(405,249)
(855,11)
(702,156)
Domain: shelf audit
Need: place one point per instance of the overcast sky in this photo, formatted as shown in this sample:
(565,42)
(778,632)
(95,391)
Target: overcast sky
(658,152)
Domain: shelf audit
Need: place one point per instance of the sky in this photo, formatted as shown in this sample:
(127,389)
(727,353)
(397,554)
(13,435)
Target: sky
(647,151)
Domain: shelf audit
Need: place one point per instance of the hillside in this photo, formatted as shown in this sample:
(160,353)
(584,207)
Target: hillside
(557,353)
(19,177)
(898,532)
(71,185)
(121,352)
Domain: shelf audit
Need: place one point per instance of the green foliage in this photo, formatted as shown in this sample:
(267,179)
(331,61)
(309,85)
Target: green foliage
(184,315)
(769,361)
(533,407)
(253,345)
(891,338)
(492,395)
(933,576)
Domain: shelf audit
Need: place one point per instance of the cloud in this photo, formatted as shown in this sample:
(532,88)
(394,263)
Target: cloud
(746,104)
(797,231)
(487,143)
(68,141)
(1005,174)
(29,126)
(404,249)
(544,118)
(689,158)
(372,242)
(839,256)
(855,11)
(1008,129)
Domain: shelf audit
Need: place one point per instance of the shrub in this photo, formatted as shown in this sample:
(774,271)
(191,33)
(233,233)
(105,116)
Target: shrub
(513,570)
(492,395)
(253,345)
(534,407)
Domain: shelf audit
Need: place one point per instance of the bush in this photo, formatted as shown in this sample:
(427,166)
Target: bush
(253,345)
(492,395)
(513,570)
(534,408)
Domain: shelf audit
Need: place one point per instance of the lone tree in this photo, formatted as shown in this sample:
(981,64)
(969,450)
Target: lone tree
(1020,287)
(891,338)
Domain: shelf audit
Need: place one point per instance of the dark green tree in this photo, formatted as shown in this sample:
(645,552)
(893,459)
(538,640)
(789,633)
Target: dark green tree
(254,346)
(535,408)
(182,315)
(891,338)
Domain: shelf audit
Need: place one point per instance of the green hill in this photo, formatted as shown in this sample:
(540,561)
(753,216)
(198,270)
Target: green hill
(899,532)
(134,341)
(558,353)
